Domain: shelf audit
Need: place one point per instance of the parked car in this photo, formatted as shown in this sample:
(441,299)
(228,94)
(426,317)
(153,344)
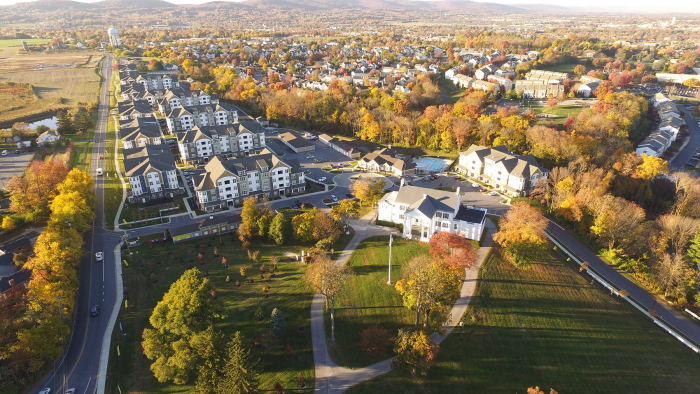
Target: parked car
(493,194)
(45,391)
(17,151)
(4,153)
(350,196)
(99,256)
(322,179)
(475,184)
(94,311)
(483,189)
(334,198)
(70,391)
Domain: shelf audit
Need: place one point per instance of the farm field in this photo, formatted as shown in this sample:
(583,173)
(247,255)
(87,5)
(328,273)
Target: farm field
(53,88)
(549,326)
(11,43)
(169,261)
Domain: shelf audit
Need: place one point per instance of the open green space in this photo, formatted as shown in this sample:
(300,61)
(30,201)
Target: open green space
(368,300)
(452,92)
(112,184)
(169,261)
(17,42)
(560,112)
(549,326)
(562,68)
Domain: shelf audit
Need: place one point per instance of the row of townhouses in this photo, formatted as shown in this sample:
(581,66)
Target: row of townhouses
(661,139)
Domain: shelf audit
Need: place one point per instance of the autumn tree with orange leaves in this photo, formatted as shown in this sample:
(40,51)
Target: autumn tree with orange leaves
(521,234)
(452,250)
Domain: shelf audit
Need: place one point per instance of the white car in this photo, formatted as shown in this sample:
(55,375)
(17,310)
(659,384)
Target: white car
(70,391)
(4,153)
(334,198)
(475,184)
(99,256)
(493,194)
(322,179)
(45,391)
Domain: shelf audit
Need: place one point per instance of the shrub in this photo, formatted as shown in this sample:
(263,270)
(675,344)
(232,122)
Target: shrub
(375,341)
(259,314)
(277,324)
(243,269)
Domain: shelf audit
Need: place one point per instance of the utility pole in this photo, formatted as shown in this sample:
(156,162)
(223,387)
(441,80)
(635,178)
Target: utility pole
(391,239)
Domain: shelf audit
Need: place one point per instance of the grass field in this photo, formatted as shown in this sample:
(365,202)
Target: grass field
(562,68)
(288,293)
(54,88)
(17,42)
(560,111)
(452,92)
(368,300)
(549,326)
(113,186)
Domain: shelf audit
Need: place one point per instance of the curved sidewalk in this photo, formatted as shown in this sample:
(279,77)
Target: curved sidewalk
(331,378)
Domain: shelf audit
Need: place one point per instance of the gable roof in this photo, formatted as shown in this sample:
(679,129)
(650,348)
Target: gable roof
(389,156)
(136,106)
(426,200)
(19,277)
(138,161)
(130,129)
(519,166)
(294,139)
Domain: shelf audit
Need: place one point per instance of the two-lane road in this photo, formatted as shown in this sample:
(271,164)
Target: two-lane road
(79,363)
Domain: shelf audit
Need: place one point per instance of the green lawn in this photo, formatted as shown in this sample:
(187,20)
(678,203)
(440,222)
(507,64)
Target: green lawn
(452,92)
(17,42)
(113,186)
(288,293)
(368,300)
(562,68)
(560,111)
(549,326)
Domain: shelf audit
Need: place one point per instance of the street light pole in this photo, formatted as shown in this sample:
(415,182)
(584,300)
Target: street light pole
(391,239)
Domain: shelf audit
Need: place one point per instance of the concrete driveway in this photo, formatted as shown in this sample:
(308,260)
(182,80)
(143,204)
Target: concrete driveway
(471,195)
(13,165)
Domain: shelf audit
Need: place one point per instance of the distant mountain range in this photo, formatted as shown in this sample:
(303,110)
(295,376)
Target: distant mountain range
(462,6)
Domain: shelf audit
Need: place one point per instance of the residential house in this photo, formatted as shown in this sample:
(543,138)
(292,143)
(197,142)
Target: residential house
(672,125)
(588,89)
(506,83)
(660,98)
(48,136)
(209,226)
(387,160)
(14,282)
(228,182)
(134,109)
(139,132)
(463,81)
(296,142)
(668,110)
(262,121)
(655,144)
(186,117)
(201,144)
(588,79)
(507,172)
(478,84)
(550,77)
(537,89)
(151,173)
(484,72)
(21,245)
(424,212)
(340,146)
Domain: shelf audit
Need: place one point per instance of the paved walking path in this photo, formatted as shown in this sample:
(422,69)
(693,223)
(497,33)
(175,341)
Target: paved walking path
(331,378)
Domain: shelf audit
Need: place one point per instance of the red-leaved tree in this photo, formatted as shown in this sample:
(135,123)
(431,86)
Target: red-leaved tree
(452,249)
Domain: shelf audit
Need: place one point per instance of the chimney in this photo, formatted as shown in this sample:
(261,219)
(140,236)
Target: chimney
(425,196)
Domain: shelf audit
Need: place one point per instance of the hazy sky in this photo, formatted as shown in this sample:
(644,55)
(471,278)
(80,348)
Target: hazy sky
(631,5)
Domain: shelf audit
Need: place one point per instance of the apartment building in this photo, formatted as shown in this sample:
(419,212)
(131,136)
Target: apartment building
(387,160)
(134,109)
(151,173)
(201,144)
(509,173)
(139,132)
(229,182)
(184,118)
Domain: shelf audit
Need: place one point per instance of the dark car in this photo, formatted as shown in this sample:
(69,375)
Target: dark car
(95,310)
(350,196)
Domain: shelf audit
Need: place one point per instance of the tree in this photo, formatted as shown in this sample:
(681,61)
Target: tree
(324,227)
(242,372)
(328,279)
(415,351)
(85,122)
(65,123)
(187,310)
(651,167)
(426,284)
(615,219)
(8,223)
(33,192)
(211,350)
(345,210)
(521,234)
(676,232)
(552,102)
(670,271)
(304,226)
(452,249)
(367,192)
(375,341)
(277,325)
(264,225)
(279,229)
(580,69)
(20,259)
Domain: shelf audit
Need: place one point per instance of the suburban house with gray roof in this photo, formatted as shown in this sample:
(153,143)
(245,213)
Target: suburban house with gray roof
(424,212)
(186,117)
(151,172)
(139,132)
(229,182)
(655,144)
(509,173)
(387,160)
(340,146)
(201,144)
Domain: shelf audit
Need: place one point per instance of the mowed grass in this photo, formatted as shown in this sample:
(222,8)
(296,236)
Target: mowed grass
(549,326)
(560,111)
(112,183)
(17,42)
(452,92)
(562,68)
(368,299)
(288,293)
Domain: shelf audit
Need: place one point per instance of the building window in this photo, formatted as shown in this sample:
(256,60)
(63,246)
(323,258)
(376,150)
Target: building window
(455,226)
(445,215)
(445,224)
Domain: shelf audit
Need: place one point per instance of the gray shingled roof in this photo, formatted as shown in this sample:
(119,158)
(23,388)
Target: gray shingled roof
(130,129)
(139,160)
(435,200)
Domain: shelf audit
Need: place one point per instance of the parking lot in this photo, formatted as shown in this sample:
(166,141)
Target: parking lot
(472,196)
(13,165)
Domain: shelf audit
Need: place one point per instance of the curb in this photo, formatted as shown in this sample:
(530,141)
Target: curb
(107,339)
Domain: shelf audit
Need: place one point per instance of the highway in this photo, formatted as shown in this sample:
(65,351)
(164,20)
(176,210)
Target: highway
(79,363)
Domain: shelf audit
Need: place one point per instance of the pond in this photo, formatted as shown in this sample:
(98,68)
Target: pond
(51,123)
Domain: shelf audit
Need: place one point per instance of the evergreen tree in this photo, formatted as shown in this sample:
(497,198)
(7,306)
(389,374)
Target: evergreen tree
(277,324)
(242,374)
(65,123)
(85,122)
